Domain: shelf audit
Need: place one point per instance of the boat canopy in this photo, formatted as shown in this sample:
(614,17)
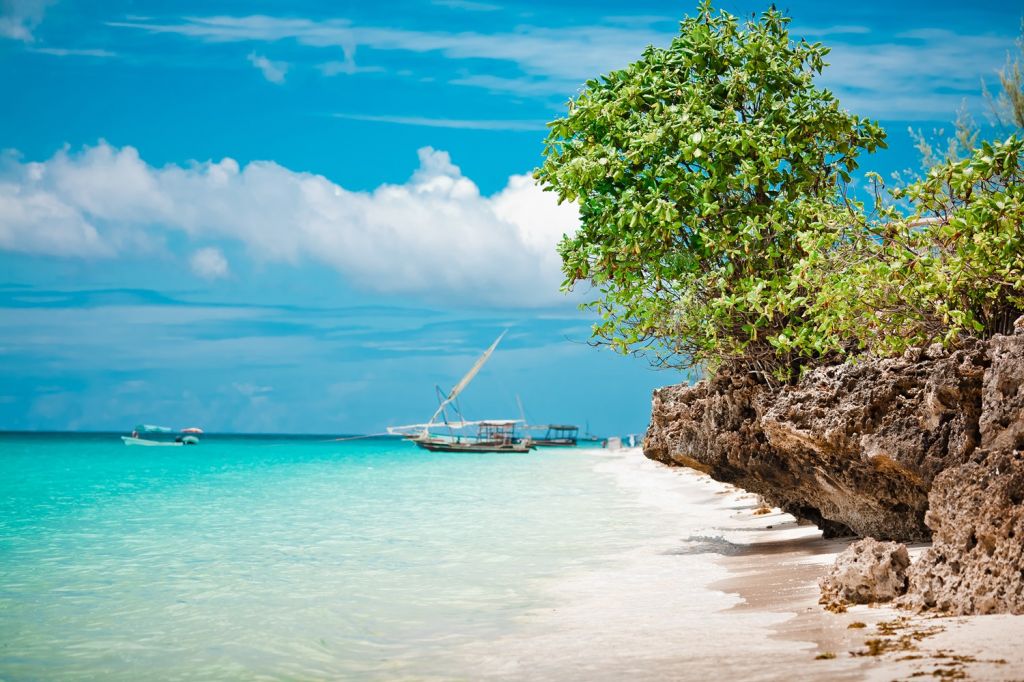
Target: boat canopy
(193,429)
(150,428)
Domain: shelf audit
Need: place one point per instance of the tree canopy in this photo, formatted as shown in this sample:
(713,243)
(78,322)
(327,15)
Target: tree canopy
(716,226)
(705,172)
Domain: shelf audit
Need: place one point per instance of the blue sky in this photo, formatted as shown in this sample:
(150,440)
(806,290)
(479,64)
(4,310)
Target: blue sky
(301,216)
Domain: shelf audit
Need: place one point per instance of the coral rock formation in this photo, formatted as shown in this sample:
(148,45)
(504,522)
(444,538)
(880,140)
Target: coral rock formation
(867,571)
(976,564)
(853,447)
(871,446)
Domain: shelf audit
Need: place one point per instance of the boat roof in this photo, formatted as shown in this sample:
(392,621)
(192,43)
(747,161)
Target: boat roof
(500,422)
(563,427)
(151,428)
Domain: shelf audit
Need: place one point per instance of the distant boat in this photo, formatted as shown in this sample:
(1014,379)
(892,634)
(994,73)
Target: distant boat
(558,435)
(493,435)
(159,436)
(555,435)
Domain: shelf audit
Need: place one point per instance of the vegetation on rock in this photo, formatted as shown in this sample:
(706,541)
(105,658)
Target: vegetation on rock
(718,228)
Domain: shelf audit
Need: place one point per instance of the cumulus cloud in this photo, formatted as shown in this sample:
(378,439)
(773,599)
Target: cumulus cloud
(435,234)
(272,71)
(209,263)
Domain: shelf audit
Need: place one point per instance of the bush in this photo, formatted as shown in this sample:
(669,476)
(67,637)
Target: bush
(952,269)
(715,223)
(707,174)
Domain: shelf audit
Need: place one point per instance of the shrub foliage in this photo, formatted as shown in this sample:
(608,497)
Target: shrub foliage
(951,269)
(716,227)
(704,173)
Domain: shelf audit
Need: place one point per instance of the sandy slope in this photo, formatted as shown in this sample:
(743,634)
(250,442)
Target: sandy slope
(727,593)
(777,570)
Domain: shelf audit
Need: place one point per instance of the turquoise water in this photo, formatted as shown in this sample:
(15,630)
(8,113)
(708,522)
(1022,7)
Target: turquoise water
(250,558)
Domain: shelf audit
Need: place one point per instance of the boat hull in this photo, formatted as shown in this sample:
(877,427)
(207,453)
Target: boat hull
(128,440)
(441,445)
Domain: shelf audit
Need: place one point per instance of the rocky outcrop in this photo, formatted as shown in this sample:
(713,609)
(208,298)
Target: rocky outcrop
(976,510)
(1002,418)
(976,564)
(868,571)
(853,447)
(927,445)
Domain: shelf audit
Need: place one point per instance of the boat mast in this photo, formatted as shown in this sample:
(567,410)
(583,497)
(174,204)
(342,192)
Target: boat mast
(464,381)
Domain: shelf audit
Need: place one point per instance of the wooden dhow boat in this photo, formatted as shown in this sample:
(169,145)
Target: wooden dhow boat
(557,435)
(442,434)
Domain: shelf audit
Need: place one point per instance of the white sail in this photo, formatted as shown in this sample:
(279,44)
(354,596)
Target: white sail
(468,378)
(408,428)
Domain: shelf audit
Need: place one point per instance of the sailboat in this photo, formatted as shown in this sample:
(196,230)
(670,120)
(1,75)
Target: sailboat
(493,435)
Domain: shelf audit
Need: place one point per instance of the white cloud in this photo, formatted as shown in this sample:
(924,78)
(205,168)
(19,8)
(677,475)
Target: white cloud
(18,18)
(73,52)
(467,5)
(348,66)
(526,87)
(919,74)
(924,76)
(434,235)
(573,52)
(209,263)
(819,31)
(257,395)
(272,71)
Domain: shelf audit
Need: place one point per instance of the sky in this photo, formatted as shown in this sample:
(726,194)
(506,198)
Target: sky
(302,217)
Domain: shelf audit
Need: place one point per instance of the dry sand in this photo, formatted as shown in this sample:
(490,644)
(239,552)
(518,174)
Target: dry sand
(729,593)
(775,567)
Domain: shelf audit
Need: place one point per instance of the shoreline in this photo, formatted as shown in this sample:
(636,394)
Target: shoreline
(776,567)
(725,593)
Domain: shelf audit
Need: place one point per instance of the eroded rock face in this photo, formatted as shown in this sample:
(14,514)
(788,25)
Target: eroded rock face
(875,434)
(870,446)
(868,571)
(716,426)
(1002,418)
(853,447)
(976,564)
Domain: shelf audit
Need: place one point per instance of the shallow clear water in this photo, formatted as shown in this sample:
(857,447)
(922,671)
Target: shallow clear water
(249,558)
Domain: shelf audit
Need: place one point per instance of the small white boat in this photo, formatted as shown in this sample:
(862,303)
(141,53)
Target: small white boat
(190,436)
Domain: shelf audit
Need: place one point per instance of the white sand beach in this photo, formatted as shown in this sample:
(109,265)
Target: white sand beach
(728,593)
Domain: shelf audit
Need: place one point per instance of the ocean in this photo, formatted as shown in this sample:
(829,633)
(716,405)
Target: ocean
(301,558)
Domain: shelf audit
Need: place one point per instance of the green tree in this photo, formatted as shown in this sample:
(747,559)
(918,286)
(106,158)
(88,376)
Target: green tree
(711,180)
